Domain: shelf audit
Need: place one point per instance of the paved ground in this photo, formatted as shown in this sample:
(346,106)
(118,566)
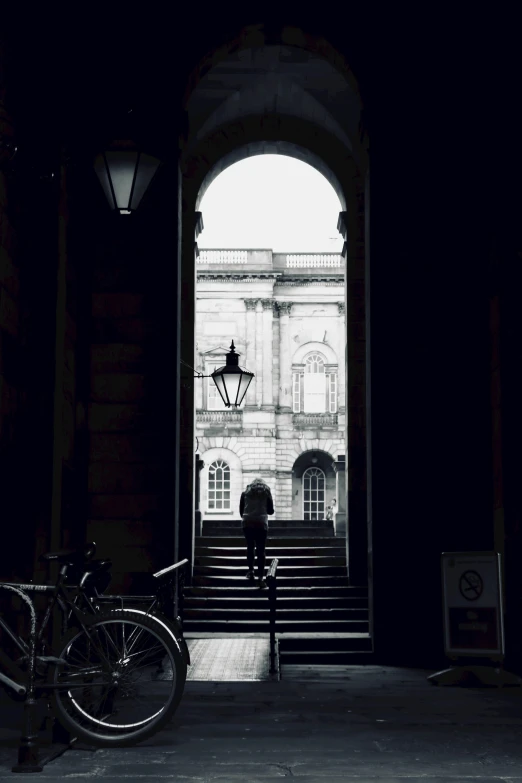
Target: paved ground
(229,659)
(353,724)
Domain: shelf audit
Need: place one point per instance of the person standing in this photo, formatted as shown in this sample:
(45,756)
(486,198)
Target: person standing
(255,506)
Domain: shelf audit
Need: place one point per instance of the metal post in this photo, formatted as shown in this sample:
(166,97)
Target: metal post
(28,747)
(181,593)
(272,599)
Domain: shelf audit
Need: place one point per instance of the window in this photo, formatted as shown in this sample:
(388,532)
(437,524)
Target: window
(214,401)
(313,494)
(314,397)
(314,390)
(219,486)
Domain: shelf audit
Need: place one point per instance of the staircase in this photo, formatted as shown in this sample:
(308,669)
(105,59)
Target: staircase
(321,618)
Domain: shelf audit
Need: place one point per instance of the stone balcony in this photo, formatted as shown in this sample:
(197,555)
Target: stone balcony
(266,261)
(220,419)
(309,421)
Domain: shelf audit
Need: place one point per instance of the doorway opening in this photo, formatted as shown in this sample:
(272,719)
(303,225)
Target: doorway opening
(270,276)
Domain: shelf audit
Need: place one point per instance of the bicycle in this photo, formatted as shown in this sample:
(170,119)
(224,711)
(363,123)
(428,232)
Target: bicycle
(117,677)
(94,579)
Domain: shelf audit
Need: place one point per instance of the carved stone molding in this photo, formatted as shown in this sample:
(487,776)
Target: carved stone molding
(284,307)
(250,304)
(341,307)
(267,304)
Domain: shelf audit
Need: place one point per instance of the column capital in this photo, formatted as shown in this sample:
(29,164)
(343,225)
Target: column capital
(341,307)
(284,307)
(267,304)
(250,304)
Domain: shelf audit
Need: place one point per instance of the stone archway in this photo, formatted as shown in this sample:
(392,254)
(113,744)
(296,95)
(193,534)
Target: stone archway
(346,167)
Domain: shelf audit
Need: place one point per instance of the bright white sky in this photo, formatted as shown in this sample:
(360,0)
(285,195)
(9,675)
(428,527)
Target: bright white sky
(274,202)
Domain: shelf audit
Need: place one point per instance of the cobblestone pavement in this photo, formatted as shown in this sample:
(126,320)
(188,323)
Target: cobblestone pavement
(361,724)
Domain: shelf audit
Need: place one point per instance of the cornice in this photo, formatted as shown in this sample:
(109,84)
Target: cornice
(223,278)
(238,277)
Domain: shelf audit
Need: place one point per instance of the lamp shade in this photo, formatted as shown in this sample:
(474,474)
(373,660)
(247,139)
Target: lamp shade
(125,173)
(232,381)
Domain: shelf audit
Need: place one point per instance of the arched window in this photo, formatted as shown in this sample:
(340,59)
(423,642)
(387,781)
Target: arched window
(315,389)
(313,494)
(219,486)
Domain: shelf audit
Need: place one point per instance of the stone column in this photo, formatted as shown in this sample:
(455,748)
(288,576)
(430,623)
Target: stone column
(197,514)
(285,364)
(276,355)
(267,354)
(340,496)
(259,355)
(250,359)
(341,375)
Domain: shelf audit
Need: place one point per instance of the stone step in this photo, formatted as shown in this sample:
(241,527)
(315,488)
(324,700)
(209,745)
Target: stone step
(274,532)
(288,523)
(326,658)
(325,592)
(324,642)
(238,542)
(253,599)
(254,615)
(283,571)
(218,580)
(239,561)
(274,550)
(306,626)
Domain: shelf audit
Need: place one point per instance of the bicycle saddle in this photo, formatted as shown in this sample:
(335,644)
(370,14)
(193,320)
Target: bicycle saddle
(71,556)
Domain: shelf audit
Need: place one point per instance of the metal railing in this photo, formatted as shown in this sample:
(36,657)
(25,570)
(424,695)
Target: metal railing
(272,600)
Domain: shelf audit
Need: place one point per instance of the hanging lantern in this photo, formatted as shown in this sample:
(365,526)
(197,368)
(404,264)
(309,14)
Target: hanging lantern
(125,173)
(232,381)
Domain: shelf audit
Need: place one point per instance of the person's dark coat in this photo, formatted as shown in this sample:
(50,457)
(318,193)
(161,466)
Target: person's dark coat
(256,504)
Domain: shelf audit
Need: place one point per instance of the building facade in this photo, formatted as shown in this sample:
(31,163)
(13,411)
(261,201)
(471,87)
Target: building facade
(285,313)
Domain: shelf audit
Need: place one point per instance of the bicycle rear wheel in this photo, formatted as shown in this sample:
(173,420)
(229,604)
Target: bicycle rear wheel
(123,679)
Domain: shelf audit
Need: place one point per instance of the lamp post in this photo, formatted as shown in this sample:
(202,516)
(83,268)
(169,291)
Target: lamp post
(232,381)
(125,173)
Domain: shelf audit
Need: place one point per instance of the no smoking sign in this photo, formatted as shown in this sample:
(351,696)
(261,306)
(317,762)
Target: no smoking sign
(473,622)
(471,585)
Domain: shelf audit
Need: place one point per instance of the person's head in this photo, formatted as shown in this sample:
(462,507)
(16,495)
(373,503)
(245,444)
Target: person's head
(257,485)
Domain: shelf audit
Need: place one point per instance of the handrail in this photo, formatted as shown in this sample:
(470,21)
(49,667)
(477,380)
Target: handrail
(272,599)
(180,585)
(170,568)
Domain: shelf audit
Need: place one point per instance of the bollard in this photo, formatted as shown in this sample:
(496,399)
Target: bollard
(28,749)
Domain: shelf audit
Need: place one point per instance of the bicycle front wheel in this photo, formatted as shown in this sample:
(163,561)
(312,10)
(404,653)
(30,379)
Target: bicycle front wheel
(123,678)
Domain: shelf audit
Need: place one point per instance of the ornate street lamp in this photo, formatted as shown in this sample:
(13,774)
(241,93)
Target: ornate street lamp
(125,173)
(232,381)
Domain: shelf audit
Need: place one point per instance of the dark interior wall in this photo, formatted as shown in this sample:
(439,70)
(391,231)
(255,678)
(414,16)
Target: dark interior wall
(431,421)
(132,397)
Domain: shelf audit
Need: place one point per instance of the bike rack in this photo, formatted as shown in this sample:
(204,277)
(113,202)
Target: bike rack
(28,759)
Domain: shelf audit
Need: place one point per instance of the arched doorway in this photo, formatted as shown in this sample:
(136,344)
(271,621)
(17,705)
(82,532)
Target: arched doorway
(243,123)
(313,485)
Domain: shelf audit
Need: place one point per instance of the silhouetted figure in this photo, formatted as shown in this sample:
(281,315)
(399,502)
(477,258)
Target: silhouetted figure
(330,510)
(254,506)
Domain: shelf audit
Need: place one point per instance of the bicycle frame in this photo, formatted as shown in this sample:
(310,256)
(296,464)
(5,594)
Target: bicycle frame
(60,598)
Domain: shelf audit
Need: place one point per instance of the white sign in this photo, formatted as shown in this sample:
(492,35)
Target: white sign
(472,596)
